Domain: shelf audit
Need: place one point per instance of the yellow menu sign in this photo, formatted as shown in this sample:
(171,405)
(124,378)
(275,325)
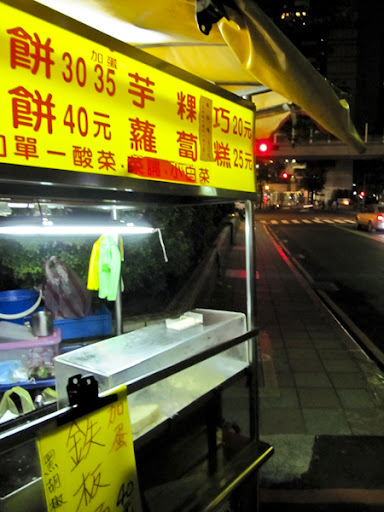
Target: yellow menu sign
(89,464)
(70,103)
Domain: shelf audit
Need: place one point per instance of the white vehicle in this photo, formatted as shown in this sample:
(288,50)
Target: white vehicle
(372,218)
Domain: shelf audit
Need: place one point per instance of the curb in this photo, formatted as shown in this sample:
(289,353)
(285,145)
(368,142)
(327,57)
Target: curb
(337,317)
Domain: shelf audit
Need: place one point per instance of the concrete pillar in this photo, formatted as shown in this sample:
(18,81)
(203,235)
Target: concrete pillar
(338,177)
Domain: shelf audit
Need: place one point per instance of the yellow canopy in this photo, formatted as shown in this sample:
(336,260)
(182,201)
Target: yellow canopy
(246,54)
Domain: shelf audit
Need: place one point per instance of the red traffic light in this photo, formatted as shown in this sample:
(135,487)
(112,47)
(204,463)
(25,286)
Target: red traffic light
(263,147)
(285,175)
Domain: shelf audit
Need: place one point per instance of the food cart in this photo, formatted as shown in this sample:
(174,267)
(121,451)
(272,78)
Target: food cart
(88,120)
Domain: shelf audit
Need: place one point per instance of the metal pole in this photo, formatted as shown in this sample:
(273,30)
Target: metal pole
(118,303)
(250,266)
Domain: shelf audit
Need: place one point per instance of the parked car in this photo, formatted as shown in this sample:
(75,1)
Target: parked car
(372,218)
(343,202)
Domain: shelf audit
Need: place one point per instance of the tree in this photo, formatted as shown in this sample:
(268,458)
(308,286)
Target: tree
(187,233)
(313,179)
(369,176)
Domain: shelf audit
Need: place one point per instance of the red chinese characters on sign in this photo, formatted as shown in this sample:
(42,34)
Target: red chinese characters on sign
(100,58)
(247,130)
(222,154)
(102,124)
(187,145)
(145,167)
(106,161)
(28,52)
(111,62)
(237,126)
(3,146)
(26,147)
(204,176)
(38,111)
(97,57)
(30,110)
(82,157)
(143,136)
(180,174)
(186,104)
(191,173)
(155,168)
(140,88)
(248,161)
(221,119)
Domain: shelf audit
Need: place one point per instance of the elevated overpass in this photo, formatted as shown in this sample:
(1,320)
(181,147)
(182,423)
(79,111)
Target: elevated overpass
(326,150)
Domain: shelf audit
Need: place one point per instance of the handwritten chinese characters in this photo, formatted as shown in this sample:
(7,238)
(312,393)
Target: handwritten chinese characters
(72,104)
(82,464)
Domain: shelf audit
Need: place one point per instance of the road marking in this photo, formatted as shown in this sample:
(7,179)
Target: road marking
(316,220)
(238,273)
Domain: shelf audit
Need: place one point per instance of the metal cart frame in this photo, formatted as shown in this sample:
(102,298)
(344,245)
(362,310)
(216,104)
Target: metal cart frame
(36,184)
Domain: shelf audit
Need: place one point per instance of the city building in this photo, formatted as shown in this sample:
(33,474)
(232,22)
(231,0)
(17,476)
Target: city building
(344,42)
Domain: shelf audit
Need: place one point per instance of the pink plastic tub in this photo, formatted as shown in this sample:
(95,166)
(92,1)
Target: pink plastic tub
(36,356)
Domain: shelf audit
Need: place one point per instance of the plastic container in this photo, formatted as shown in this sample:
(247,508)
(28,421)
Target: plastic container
(99,324)
(36,356)
(14,302)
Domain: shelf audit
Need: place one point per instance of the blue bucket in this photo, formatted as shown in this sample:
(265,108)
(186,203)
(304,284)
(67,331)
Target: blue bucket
(14,302)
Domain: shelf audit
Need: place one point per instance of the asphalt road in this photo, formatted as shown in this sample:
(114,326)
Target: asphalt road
(345,263)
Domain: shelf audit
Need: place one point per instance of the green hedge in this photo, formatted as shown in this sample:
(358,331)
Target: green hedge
(186,231)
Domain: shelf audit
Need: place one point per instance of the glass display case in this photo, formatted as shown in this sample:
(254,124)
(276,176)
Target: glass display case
(137,354)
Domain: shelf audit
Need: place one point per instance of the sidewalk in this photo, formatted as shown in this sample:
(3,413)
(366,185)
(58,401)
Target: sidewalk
(321,397)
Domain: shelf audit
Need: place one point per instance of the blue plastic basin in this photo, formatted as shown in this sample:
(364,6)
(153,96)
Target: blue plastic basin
(13,302)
